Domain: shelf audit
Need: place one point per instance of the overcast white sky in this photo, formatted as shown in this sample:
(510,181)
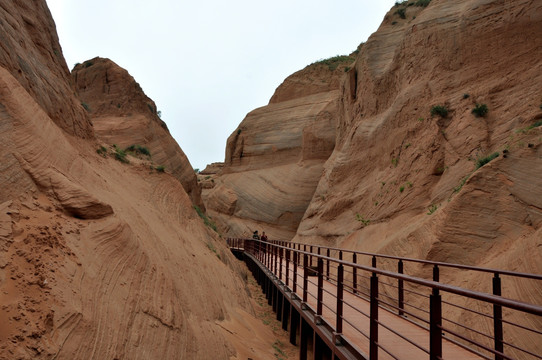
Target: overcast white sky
(206,64)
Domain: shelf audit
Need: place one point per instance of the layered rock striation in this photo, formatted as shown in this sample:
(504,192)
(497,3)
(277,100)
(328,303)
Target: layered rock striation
(277,153)
(98,259)
(416,166)
(123,115)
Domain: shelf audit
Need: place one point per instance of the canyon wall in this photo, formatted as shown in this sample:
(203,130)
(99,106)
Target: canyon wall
(99,259)
(418,168)
(275,157)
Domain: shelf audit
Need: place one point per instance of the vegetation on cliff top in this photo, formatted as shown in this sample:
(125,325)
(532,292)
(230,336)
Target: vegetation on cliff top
(335,61)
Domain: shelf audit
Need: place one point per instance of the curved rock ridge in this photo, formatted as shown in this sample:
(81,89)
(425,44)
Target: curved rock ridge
(321,76)
(277,152)
(123,115)
(30,51)
(98,259)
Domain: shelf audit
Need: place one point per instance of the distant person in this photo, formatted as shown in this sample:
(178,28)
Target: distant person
(263,237)
(255,235)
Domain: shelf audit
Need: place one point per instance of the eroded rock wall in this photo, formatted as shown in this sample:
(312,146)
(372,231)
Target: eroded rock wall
(98,259)
(275,157)
(123,115)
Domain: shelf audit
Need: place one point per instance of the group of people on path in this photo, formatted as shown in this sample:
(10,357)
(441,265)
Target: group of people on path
(256,236)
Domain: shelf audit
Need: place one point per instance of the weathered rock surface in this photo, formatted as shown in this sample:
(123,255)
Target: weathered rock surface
(275,157)
(123,115)
(30,52)
(98,259)
(403,182)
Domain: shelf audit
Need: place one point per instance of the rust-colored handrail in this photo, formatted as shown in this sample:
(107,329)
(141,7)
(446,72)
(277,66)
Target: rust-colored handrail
(421,261)
(276,253)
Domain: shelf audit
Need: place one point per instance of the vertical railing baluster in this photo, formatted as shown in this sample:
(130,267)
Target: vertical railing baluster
(435,320)
(497,318)
(287,266)
(320,286)
(340,288)
(305,277)
(280,264)
(435,326)
(400,289)
(373,321)
(355,273)
(327,265)
(275,257)
(294,280)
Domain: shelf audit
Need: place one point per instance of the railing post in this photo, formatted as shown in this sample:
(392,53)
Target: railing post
(435,320)
(373,321)
(280,264)
(497,318)
(340,254)
(373,261)
(275,258)
(327,265)
(266,254)
(310,258)
(435,326)
(305,277)
(354,273)
(320,286)
(287,266)
(294,280)
(400,289)
(339,320)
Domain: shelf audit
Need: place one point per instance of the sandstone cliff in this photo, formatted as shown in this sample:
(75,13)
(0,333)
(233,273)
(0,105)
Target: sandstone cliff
(406,175)
(98,259)
(275,157)
(123,115)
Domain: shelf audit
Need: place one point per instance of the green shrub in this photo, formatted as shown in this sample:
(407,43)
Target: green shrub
(138,149)
(160,168)
(120,155)
(480,110)
(432,209)
(87,64)
(401,12)
(102,151)
(208,222)
(395,162)
(335,61)
(439,110)
(482,161)
(401,189)
(460,186)
(360,218)
(85,105)
(466,96)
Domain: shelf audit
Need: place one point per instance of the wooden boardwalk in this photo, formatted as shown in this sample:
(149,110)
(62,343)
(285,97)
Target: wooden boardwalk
(356,324)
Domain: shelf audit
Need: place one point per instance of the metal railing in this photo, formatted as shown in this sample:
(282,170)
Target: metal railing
(465,319)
